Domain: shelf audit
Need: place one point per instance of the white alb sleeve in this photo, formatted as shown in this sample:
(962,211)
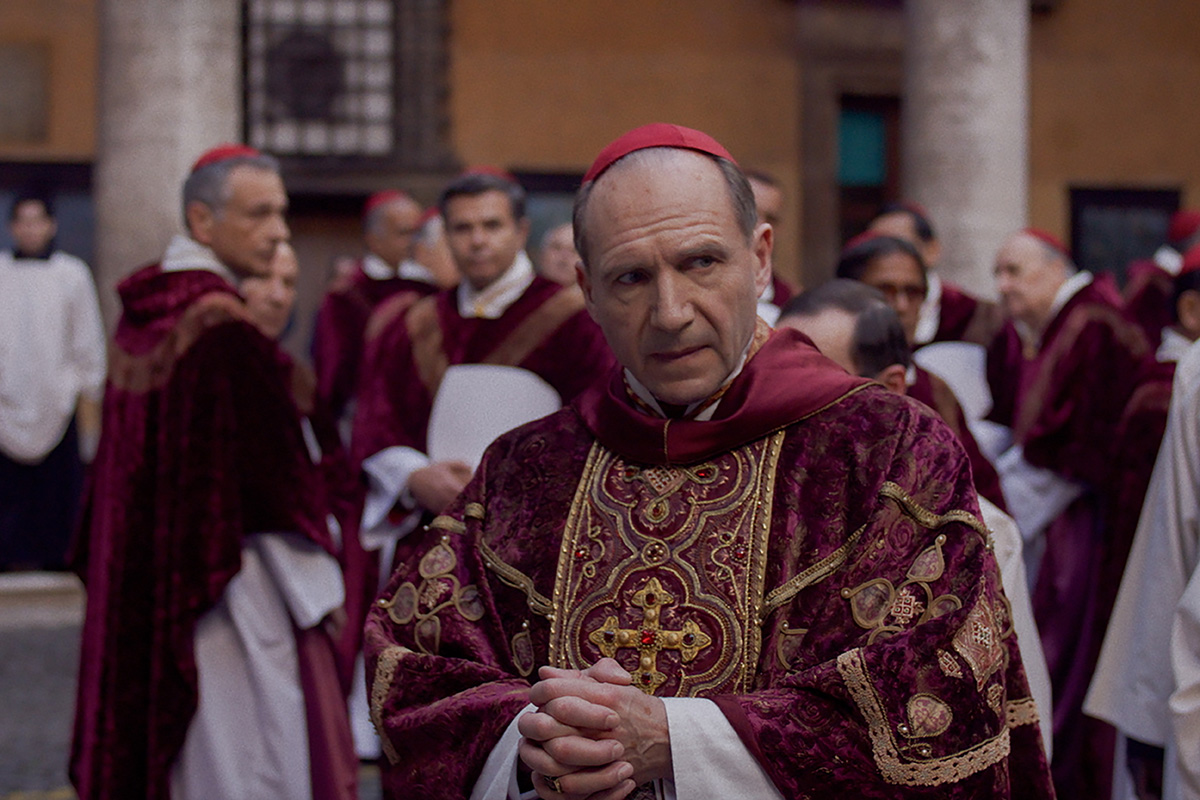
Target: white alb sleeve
(387,474)
(707,756)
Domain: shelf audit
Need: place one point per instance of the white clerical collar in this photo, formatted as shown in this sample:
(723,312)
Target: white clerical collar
(929,317)
(650,400)
(1168,259)
(1174,345)
(493,300)
(377,269)
(1070,287)
(184,252)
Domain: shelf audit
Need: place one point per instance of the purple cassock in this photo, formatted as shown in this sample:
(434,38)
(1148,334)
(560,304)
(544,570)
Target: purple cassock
(1063,400)
(202,445)
(1149,290)
(964,318)
(811,560)
(341,325)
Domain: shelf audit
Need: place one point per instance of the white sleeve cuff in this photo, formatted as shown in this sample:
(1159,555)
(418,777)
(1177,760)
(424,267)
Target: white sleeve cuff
(387,474)
(1036,496)
(708,758)
(498,781)
(308,578)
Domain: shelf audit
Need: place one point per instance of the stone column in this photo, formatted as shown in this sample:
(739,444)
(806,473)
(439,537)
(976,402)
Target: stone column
(965,123)
(170,88)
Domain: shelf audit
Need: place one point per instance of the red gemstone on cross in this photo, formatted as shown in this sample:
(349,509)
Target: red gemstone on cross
(648,638)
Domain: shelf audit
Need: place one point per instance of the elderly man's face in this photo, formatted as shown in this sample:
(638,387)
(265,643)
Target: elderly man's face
(1027,279)
(271,297)
(670,277)
(245,232)
(392,232)
(557,258)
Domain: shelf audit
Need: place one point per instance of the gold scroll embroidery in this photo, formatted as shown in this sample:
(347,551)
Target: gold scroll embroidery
(933,772)
(701,530)
(439,590)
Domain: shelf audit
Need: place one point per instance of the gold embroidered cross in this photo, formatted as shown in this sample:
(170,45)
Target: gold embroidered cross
(650,639)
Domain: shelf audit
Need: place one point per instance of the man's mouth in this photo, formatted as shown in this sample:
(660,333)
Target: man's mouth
(678,354)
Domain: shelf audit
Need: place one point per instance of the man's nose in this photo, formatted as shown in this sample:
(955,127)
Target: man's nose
(279,228)
(673,308)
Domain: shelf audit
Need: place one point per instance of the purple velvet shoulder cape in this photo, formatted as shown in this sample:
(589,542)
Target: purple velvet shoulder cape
(823,577)
(201,444)
(546,330)
(339,328)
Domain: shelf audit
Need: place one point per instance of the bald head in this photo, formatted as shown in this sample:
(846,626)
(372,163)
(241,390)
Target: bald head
(664,160)
(671,274)
(1029,272)
(390,229)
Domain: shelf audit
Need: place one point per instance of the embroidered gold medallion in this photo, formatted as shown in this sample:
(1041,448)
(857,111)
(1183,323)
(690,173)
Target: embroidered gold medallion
(662,568)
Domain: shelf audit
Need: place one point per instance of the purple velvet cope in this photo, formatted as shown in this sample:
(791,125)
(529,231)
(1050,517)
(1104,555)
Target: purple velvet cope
(1063,404)
(340,325)
(934,392)
(964,318)
(1148,292)
(873,654)
(201,445)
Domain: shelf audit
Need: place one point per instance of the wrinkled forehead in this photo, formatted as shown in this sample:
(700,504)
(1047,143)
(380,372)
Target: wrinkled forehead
(655,175)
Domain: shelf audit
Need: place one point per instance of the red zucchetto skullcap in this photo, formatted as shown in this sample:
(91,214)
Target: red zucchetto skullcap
(657,134)
(224,152)
(1047,238)
(863,238)
(488,169)
(382,198)
(1191,261)
(1184,225)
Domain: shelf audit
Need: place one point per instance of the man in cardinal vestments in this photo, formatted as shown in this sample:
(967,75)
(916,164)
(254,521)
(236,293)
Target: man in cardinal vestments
(729,570)
(212,584)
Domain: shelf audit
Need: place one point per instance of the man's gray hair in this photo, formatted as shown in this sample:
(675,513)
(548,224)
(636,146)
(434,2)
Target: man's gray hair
(210,184)
(740,194)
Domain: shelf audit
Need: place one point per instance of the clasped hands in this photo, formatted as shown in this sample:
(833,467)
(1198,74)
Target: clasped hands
(594,732)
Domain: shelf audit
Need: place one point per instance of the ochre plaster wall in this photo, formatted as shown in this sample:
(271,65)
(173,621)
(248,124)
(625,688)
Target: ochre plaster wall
(542,85)
(69,28)
(1113,101)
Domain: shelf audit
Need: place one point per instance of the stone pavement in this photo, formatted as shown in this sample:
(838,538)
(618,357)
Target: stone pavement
(40,619)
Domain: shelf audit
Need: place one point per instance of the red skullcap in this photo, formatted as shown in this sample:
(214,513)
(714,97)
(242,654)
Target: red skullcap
(427,215)
(1191,261)
(488,169)
(380,198)
(863,238)
(1050,239)
(1184,225)
(913,207)
(657,134)
(224,152)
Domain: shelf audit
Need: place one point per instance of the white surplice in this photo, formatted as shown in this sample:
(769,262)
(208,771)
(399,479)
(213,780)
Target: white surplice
(1154,621)
(248,739)
(51,350)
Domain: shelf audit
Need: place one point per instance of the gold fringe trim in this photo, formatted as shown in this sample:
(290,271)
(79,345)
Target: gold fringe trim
(385,671)
(814,574)
(927,518)
(1022,712)
(538,602)
(934,772)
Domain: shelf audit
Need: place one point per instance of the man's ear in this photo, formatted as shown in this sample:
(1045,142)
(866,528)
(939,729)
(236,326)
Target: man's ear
(200,219)
(895,378)
(762,245)
(585,284)
(1188,312)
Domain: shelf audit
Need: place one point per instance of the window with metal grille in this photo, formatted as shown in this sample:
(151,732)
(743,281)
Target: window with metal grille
(320,77)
